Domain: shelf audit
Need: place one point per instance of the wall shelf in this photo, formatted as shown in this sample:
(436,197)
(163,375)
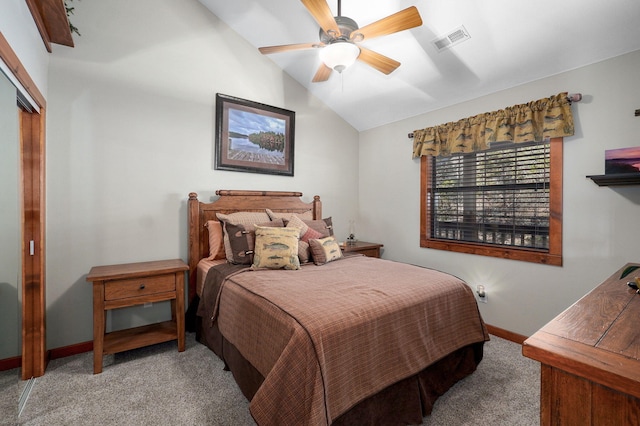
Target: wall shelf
(616,179)
(51,20)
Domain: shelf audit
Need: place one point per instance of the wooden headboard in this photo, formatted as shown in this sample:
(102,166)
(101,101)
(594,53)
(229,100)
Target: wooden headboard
(231,201)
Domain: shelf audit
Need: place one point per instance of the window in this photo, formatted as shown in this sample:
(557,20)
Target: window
(503,202)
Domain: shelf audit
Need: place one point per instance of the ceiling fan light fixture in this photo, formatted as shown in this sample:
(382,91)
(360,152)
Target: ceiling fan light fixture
(339,55)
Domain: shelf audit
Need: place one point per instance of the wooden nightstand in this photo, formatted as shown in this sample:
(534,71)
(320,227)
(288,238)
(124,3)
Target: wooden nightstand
(119,286)
(368,249)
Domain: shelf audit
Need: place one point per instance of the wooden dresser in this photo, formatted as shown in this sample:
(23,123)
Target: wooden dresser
(131,284)
(590,358)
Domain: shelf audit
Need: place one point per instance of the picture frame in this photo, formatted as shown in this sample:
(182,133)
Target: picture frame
(622,160)
(252,137)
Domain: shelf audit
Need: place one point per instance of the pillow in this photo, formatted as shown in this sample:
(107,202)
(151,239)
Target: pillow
(324,226)
(296,222)
(216,240)
(311,234)
(304,251)
(306,233)
(244,218)
(276,248)
(308,215)
(325,250)
(241,239)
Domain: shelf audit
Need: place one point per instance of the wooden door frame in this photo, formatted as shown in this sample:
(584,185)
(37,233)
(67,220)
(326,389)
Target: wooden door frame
(32,157)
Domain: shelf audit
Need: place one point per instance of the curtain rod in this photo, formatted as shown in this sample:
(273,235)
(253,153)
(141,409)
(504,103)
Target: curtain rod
(574,97)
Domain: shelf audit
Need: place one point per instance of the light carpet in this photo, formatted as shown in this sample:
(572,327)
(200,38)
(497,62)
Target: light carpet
(158,385)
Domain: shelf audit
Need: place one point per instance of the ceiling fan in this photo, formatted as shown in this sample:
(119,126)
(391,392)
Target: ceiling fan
(340,35)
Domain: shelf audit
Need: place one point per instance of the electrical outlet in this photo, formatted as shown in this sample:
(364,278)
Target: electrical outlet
(482,293)
(148,304)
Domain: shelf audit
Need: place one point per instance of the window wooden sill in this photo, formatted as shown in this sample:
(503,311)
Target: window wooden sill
(513,253)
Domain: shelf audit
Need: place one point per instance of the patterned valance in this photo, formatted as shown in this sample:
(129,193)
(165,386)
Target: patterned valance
(533,121)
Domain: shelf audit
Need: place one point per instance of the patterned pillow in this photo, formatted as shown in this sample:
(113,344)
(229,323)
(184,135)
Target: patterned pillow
(243,218)
(308,215)
(216,240)
(304,251)
(241,239)
(311,234)
(306,232)
(325,250)
(324,226)
(296,222)
(276,248)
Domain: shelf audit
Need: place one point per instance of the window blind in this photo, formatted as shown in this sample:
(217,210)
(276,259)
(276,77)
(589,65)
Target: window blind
(499,196)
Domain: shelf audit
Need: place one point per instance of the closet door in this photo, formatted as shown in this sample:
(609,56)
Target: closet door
(10,225)
(31,226)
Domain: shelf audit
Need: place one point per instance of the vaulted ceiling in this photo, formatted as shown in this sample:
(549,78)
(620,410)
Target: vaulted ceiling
(511,43)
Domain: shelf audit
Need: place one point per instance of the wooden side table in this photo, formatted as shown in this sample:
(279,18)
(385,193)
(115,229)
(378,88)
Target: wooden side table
(368,249)
(119,286)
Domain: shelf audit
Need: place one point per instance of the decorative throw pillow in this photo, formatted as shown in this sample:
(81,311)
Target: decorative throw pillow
(241,243)
(276,248)
(311,234)
(244,218)
(216,240)
(306,232)
(242,240)
(308,215)
(325,250)
(324,226)
(304,251)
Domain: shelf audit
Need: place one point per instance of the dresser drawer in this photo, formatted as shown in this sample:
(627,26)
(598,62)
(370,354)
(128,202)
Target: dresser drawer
(135,287)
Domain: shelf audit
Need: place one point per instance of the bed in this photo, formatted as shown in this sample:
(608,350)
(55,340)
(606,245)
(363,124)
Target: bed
(344,340)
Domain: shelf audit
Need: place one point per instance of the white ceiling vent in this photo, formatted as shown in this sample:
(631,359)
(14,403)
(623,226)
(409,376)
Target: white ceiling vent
(449,40)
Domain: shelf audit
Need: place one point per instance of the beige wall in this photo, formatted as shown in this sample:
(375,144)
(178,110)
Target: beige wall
(131,128)
(601,225)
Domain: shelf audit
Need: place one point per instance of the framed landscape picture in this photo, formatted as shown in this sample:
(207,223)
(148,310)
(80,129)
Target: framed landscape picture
(622,160)
(253,137)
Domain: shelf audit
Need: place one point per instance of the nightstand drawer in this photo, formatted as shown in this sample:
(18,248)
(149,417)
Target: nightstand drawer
(363,247)
(136,287)
(374,252)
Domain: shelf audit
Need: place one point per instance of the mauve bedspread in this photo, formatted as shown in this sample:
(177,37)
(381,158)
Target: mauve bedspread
(326,337)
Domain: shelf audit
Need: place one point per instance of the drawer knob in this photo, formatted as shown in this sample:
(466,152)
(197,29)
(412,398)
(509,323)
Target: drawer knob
(141,286)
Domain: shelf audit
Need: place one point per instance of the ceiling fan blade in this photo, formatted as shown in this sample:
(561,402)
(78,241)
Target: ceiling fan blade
(400,21)
(287,47)
(320,11)
(380,62)
(322,74)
